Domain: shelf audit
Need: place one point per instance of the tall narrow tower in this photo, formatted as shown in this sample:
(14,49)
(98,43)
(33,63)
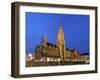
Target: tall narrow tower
(61,43)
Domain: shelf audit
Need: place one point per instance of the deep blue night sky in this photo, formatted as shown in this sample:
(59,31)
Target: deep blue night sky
(75,27)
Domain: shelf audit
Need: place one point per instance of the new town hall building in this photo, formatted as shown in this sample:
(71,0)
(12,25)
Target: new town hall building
(46,52)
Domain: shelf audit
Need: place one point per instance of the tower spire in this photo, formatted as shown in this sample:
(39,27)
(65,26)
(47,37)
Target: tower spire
(44,41)
(60,27)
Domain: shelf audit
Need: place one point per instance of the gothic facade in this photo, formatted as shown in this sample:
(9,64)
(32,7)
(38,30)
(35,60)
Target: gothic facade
(49,52)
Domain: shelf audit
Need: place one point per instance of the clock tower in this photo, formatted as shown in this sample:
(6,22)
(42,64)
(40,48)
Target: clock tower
(61,43)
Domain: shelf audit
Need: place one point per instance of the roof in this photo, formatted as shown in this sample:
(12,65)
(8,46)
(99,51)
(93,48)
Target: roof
(54,45)
(51,44)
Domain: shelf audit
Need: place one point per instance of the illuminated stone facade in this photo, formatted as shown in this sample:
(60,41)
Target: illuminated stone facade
(59,51)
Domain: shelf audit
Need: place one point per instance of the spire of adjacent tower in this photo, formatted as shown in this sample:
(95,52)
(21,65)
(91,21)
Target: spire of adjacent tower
(44,41)
(44,38)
